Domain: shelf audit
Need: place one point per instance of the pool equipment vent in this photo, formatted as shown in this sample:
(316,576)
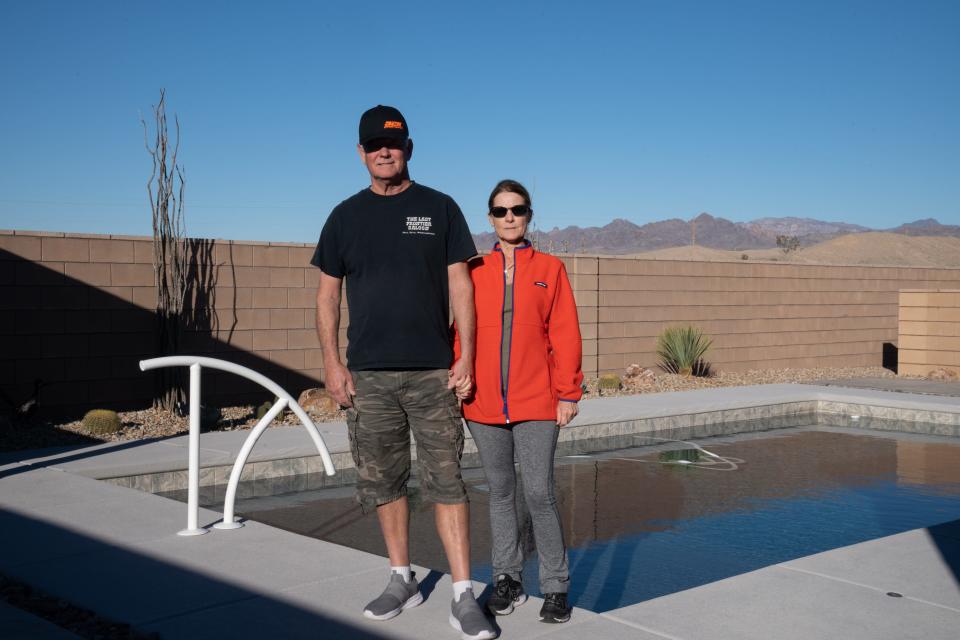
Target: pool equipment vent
(694,456)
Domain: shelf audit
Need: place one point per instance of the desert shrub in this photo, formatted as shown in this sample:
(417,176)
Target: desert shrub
(681,350)
(788,243)
(101,421)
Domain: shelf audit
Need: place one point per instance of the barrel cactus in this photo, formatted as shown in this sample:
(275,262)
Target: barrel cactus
(101,422)
(610,382)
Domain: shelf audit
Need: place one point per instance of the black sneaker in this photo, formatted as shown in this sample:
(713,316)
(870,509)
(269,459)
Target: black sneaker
(507,594)
(555,608)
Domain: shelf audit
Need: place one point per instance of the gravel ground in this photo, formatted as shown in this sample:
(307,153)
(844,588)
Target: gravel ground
(672,382)
(16,435)
(82,622)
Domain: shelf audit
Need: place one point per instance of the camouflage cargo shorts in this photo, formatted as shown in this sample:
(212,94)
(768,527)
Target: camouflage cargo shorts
(387,407)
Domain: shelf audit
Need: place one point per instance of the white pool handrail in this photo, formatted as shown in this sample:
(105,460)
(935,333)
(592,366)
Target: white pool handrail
(193,473)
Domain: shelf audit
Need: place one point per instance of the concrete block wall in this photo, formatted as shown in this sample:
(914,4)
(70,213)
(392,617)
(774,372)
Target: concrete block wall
(929,330)
(758,315)
(77,314)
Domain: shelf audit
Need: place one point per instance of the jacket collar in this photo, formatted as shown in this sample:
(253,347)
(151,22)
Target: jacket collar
(526,245)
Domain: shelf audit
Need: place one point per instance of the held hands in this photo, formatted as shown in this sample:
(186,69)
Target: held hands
(566,411)
(460,380)
(339,384)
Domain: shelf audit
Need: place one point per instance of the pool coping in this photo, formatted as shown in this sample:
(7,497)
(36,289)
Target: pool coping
(286,452)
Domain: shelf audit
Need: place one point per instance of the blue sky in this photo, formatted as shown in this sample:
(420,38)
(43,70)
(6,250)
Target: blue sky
(841,110)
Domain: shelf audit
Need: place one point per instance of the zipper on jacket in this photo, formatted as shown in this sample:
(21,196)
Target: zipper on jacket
(505,381)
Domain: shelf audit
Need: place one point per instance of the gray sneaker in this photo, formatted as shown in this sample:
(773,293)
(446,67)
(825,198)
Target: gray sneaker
(467,618)
(398,595)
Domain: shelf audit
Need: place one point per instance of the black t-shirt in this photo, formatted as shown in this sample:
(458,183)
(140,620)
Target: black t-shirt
(394,252)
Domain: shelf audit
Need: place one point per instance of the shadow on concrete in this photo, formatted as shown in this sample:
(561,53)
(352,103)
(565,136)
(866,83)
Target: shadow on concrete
(67,346)
(150,594)
(62,455)
(947,538)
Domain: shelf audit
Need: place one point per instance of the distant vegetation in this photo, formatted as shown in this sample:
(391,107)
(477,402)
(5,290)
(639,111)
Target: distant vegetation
(788,243)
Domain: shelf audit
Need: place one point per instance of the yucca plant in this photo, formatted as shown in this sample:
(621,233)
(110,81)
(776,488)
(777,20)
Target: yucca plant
(681,350)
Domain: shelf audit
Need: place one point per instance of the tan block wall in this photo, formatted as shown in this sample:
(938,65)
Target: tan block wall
(758,315)
(76,312)
(929,330)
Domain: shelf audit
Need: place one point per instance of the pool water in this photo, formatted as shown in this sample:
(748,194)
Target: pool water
(642,523)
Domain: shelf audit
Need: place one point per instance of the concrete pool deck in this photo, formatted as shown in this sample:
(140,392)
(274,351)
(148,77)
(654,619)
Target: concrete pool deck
(114,550)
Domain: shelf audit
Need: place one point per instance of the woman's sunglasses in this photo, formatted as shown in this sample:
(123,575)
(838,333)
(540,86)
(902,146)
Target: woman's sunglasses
(518,210)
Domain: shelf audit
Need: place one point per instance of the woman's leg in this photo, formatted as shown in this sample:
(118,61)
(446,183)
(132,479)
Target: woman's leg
(495,445)
(536,443)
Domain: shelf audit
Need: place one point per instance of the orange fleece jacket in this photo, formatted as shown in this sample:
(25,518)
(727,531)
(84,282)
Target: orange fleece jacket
(545,349)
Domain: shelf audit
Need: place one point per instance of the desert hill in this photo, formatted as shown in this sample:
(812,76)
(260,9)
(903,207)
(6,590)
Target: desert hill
(867,248)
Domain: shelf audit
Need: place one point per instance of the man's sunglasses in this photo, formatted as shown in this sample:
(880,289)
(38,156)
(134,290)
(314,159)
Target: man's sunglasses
(380,143)
(518,210)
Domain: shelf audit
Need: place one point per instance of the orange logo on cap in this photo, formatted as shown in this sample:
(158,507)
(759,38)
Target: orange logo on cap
(392,124)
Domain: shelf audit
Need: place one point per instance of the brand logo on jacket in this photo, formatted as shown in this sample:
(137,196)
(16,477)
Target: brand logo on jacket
(419,225)
(541,284)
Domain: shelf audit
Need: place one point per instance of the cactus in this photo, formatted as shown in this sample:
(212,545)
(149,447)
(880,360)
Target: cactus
(263,409)
(101,421)
(610,382)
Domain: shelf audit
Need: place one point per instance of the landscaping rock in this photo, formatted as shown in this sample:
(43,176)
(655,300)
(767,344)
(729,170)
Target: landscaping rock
(943,375)
(638,376)
(317,401)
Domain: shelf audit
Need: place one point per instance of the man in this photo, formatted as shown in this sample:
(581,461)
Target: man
(402,249)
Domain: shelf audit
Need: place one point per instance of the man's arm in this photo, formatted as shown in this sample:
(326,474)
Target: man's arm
(337,377)
(461,300)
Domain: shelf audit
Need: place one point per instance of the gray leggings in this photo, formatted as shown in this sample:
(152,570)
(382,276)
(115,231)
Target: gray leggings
(534,443)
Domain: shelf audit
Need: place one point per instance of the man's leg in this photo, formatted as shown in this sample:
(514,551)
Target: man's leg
(395,524)
(453,526)
(437,426)
(380,443)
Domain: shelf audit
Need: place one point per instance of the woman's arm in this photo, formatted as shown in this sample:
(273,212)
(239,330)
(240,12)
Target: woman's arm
(563,330)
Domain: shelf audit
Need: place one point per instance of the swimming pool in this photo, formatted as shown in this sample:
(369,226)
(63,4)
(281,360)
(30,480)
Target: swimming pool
(645,522)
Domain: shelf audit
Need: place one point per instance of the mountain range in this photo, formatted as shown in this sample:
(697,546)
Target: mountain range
(624,237)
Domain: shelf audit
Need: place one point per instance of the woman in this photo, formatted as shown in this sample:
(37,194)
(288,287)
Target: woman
(528,379)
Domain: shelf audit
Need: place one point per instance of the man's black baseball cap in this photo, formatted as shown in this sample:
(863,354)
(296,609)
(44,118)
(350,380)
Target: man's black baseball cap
(382,122)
